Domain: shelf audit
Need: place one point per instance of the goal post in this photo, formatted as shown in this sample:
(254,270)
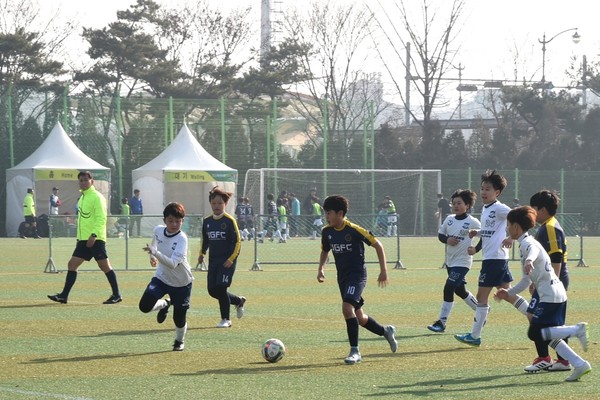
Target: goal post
(414,192)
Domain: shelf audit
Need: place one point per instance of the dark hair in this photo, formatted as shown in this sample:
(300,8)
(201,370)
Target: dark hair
(545,199)
(468,196)
(124,200)
(336,203)
(174,209)
(524,216)
(270,196)
(495,179)
(216,191)
(88,174)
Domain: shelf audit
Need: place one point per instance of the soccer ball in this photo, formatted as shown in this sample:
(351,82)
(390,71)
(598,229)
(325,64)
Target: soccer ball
(273,350)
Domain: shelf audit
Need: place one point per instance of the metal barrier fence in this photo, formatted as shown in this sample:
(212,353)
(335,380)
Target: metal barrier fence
(134,231)
(301,247)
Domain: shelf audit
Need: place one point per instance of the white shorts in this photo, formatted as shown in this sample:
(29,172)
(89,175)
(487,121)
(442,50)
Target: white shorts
(318,222)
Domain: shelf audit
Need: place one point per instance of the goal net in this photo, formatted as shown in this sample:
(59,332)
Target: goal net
(414,192)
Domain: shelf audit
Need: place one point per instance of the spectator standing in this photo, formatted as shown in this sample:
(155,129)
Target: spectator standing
(294,221)
(54,202)
(443,208)
(137,210)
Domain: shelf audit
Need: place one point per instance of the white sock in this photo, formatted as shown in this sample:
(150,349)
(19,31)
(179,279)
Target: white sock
(481,313)
(180,333)
(445,311)
(559,332)
(160,304)
(566,352)
(521,304)
(471,301)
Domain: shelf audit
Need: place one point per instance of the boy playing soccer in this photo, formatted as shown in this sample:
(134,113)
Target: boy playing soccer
(173,277)
(494,266)
(454,232)
(547,322)
(346,240)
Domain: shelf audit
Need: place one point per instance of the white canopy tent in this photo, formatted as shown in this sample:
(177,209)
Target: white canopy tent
(55,163)
(184,172)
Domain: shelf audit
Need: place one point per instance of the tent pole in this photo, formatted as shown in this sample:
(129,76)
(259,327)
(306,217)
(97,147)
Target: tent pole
(223,143)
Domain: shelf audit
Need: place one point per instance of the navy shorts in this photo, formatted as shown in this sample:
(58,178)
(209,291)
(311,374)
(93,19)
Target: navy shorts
(180,296)
(218,275)
(549,314)
(456,276)
(351,290)
(97,251)
(494,273)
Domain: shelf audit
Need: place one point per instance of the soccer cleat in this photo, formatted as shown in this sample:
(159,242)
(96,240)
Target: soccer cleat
(539,364)
(389,332)
(578,372)
(582,334)
(57,298)
(178,346)
(239,309)
(225,323)
(113,300)
(468,339)
(162,313)
(559,365)
(438,327)
(353,358)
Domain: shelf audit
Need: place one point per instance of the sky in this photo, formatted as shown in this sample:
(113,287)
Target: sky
(493,33)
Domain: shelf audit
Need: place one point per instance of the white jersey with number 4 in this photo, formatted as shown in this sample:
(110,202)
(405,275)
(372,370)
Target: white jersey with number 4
(457,256)
(493,231)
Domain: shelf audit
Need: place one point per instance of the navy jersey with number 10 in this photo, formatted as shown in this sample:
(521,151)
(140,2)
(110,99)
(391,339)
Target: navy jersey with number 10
(348,247)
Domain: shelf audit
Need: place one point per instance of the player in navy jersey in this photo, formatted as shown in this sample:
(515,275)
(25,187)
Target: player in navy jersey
(173,277)
(346,240)
(454,232)
(548,312)
(552,238)
(494,243)
(221,238)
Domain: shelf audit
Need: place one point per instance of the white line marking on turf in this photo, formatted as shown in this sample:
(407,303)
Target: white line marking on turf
(43,394)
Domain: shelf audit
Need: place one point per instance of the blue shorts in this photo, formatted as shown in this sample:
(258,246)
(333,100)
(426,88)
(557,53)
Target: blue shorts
(180,296)
(494,273)
(549,314)
(218,275)
(351,290)
(97,251)
(456,276)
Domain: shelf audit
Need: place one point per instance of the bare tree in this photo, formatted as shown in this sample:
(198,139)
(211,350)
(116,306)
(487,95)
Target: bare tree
(339,96)
(431,34)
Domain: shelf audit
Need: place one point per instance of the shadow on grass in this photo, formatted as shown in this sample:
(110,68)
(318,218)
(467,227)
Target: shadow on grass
(167,328)
(46,360)
(260,367)
(459,384)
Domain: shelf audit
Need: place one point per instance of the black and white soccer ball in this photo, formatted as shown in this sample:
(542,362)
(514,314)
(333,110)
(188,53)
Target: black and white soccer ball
(273,350)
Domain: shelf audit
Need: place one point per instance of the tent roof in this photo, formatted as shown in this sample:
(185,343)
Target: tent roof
(58,152)
(185,154)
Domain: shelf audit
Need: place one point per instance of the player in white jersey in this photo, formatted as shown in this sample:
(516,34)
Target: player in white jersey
(173,277)
(547,323)
(494,267)
(454,232)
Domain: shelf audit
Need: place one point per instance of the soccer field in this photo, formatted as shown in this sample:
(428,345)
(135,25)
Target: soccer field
(86,350)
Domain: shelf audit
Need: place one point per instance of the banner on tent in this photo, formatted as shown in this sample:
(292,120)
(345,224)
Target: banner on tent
(199,176)
(67,174)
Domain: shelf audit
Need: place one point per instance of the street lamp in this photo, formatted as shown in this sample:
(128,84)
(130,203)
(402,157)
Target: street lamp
(543,41)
